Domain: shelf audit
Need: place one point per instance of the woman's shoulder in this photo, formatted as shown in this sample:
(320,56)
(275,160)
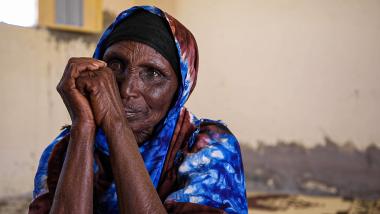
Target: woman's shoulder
(213,170)
(213,145)
(214,126)
(214,133)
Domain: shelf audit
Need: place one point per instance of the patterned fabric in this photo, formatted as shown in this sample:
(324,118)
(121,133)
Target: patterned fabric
(210,170)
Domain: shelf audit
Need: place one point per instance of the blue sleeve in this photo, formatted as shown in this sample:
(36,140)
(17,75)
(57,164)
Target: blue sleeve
(214,175)
(40,179)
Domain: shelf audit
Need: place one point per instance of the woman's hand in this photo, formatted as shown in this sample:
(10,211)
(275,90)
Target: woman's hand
(74,193)
(76,103)
(102,91)
(136,193)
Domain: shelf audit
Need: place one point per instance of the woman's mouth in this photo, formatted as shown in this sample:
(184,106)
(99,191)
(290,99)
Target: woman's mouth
(133,114)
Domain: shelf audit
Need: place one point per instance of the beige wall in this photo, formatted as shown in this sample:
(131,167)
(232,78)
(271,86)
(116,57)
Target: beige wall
(116,6)
(32,61)
(292,70)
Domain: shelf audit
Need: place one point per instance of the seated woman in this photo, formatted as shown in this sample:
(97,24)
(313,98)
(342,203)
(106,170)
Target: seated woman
(132,146)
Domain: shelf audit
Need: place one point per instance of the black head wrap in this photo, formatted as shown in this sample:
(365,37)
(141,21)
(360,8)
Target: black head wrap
(147,28)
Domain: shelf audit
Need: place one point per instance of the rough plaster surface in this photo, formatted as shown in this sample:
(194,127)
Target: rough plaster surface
(32,62)
(326,169)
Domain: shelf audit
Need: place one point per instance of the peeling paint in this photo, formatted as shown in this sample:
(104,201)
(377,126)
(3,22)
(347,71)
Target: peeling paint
(108,18)
(60,36)
(328,169)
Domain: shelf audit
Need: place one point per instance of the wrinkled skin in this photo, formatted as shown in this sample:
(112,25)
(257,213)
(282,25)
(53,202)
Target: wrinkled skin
(145,80)
(147,84)
(126,94)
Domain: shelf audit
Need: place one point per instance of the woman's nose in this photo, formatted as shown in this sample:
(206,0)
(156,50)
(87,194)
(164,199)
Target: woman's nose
(129,87)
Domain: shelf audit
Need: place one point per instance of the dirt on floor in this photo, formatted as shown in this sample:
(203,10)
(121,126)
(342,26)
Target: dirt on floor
(302,204)
(259,203)
(15,205)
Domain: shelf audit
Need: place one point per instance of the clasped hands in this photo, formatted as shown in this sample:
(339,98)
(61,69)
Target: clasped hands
(90,92)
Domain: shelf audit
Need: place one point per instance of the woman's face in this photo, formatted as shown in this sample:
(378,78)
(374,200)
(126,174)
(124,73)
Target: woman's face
(147,84)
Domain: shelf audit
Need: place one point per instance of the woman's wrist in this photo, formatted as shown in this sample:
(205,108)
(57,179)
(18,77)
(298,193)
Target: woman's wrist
(115,124)
(84,125)
(83,131)
(75,185)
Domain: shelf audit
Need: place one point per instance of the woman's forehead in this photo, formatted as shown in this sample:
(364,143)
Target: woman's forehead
(127,47)
(133,51)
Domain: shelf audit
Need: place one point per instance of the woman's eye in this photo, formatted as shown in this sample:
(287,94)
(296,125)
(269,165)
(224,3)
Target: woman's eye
(151,74)
(154,73)
(116,66)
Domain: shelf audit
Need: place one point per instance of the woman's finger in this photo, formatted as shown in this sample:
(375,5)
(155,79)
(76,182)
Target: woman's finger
(73,71)
(77,65)
(87,81)
(87,59)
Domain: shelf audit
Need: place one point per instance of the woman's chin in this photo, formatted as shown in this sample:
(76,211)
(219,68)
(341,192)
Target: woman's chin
(135,124)
(141,130)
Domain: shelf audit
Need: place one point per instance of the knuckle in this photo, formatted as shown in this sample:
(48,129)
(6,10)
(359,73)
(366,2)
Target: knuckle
(108,71)
(102,83)
(73,59)
(71,65)
(109,74)
(64,88)
(58,87)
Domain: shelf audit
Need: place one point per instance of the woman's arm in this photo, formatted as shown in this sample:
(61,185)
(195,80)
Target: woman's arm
(75,186)
(136,193)
(74,193)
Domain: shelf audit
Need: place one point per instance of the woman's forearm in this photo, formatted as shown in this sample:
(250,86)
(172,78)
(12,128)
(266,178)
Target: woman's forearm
(74,193)
(136,193)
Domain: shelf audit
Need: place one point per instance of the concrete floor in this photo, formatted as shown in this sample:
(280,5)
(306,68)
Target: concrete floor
(259,203)
(301,204)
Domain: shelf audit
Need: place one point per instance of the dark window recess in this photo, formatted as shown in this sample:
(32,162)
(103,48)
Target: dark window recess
(69,12)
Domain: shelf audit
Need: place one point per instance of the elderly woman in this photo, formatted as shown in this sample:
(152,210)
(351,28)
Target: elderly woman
(132,146)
